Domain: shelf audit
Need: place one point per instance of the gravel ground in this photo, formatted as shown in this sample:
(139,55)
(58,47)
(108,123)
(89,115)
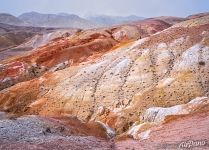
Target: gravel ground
(2,115)
(36,133)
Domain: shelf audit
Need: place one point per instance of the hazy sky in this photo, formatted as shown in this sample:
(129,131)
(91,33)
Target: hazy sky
(144,8)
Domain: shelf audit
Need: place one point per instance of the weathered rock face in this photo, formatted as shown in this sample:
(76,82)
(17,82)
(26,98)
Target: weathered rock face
(156,116)
(163,70)
(182,132)
(140,131)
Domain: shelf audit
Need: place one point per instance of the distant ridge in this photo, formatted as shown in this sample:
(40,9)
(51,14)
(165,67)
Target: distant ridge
(12,20)
(65,20)
(61,20)
(105,20)
(198,15)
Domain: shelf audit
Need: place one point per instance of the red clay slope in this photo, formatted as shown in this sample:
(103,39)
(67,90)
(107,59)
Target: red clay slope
(81,47)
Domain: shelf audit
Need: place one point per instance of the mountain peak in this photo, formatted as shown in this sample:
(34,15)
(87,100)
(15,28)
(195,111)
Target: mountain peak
(60,20)
(11,20)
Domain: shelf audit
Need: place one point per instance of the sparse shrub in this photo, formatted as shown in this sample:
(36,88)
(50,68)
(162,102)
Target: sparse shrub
(202,63)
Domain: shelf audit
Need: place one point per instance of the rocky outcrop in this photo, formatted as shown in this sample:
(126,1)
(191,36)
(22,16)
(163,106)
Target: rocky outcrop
(110,82)
(140,131)
(156,116)
(185,132)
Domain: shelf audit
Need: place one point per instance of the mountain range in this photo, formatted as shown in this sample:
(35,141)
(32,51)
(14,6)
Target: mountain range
(12,20)
(64,20)
(56,20)
(105,20)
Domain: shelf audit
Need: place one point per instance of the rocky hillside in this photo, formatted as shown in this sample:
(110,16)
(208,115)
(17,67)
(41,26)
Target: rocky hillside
(17,40)
(83,46)
(198,15)
(170,19)
(145,80)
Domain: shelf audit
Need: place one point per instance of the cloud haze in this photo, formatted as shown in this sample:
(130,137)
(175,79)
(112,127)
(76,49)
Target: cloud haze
(145,8)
